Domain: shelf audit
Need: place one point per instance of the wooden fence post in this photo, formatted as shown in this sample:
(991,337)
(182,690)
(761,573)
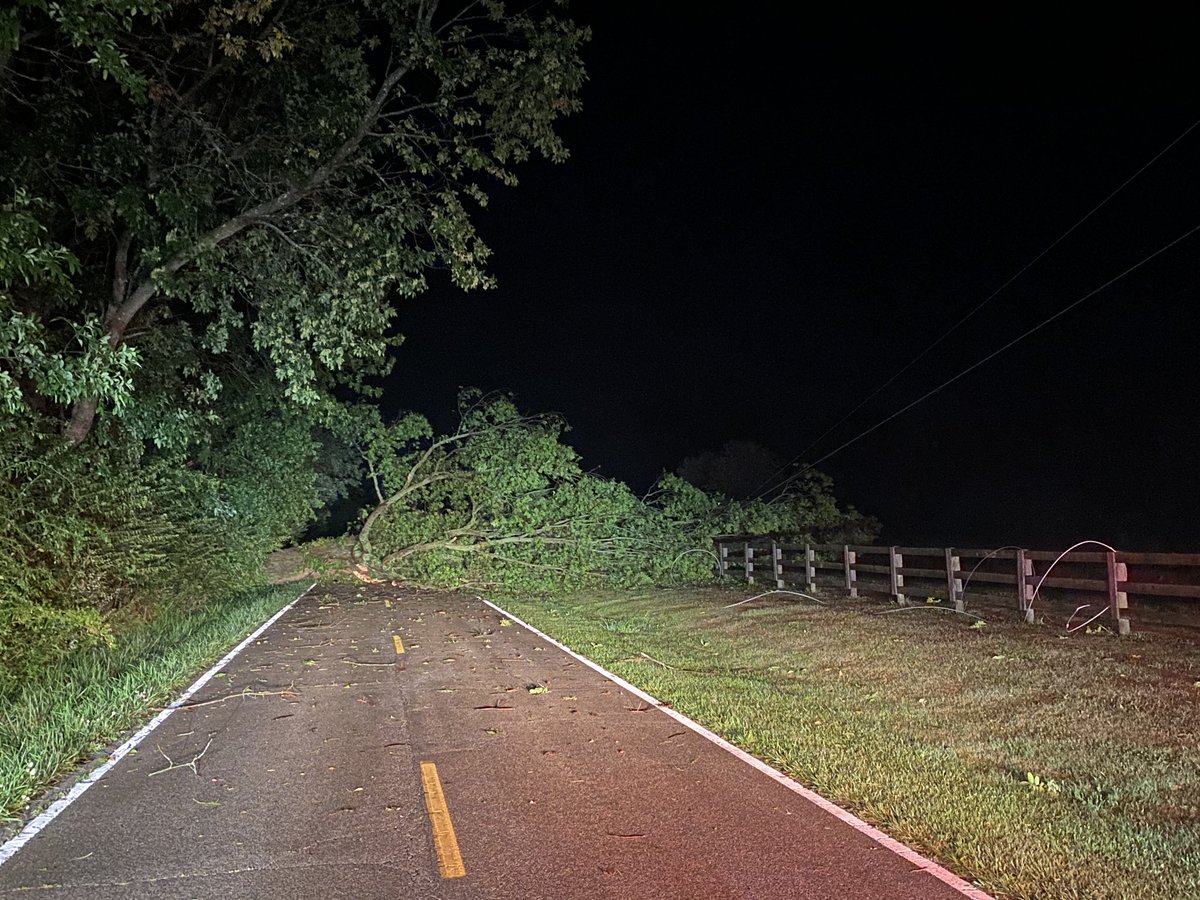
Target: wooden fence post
(895,563)
(954,583)
(1117,599)
(1024,588)
(722,559)
(810,568)
(849,557)
(777,562)
(749,555)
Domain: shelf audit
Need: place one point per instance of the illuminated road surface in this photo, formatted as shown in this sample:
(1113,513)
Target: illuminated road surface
(421,749)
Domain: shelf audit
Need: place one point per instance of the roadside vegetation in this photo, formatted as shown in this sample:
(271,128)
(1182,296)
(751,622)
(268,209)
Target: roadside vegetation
(1034,765)
(70,709)
(209,218)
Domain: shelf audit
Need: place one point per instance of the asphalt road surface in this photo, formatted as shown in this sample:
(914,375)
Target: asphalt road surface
(378,743)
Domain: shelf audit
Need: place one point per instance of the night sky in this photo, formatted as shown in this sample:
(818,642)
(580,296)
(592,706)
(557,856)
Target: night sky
(765,217)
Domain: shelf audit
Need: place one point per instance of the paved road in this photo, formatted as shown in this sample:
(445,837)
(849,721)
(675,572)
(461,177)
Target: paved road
(322,782)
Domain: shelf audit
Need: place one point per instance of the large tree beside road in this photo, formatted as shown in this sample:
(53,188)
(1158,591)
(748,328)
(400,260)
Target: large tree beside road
(209,213)
(192,188)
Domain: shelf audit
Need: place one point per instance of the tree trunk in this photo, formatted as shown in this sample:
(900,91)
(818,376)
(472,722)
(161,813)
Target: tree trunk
(125,308)
(83,414)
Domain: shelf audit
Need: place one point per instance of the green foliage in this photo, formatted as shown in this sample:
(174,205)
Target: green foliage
(208,213)
(36,634)
(190,188)
(77,361)
(102,533)
(64,711)
(502,501)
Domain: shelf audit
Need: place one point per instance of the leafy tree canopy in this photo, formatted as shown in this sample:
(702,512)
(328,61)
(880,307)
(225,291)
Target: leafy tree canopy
(192,189)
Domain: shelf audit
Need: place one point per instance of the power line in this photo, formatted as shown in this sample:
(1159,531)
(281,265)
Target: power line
(953,328)
(1062,312)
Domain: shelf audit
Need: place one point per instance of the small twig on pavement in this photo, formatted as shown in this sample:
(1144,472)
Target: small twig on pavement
(187,765)
(289,692)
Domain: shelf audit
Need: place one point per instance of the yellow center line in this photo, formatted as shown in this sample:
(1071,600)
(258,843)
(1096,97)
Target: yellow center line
(387,604)
(450,863)
(398,643)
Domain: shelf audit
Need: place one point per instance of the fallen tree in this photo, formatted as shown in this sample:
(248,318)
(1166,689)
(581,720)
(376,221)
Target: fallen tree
(502,501)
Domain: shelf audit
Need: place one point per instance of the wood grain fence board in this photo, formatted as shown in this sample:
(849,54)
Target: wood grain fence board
(1073,557)
(994,577)
(895,579)
(1023,570)
(914,572)
(1161,590)
(954,585)
(1159,559)
(1117,599)
(1099,585)
(872,568)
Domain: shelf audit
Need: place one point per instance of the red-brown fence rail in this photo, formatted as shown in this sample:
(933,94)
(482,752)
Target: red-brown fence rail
(1105,577)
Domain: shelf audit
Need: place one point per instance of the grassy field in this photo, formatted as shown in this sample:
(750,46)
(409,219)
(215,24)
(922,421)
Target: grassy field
(79,706)
(1032,764)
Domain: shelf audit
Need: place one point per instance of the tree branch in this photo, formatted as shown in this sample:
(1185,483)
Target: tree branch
(122,313)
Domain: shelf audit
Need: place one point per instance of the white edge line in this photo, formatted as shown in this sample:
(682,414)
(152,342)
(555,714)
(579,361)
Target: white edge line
(9,849)
(905,852)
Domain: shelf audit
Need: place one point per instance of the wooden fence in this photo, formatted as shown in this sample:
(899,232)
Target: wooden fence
(943,572)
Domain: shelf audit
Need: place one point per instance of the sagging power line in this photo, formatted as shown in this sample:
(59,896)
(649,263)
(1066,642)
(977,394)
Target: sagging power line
(762,489)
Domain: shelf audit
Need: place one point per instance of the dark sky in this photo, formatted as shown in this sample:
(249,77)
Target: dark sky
(766,216)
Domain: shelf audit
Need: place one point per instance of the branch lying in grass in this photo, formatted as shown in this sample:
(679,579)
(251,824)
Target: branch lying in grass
(642,656)
(768,593)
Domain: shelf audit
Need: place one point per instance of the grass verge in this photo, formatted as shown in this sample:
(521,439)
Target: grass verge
(78,706)
(1034,765)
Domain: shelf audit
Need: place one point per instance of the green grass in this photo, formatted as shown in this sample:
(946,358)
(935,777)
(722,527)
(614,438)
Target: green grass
(80,705)
(1033,765)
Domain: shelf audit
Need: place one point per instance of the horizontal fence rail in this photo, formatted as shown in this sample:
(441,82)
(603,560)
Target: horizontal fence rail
(947,572)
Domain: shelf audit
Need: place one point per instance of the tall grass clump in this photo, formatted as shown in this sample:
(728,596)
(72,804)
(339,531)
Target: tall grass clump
(74,706)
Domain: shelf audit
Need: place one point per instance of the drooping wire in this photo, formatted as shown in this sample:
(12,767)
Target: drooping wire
(992,296)
(971,368)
